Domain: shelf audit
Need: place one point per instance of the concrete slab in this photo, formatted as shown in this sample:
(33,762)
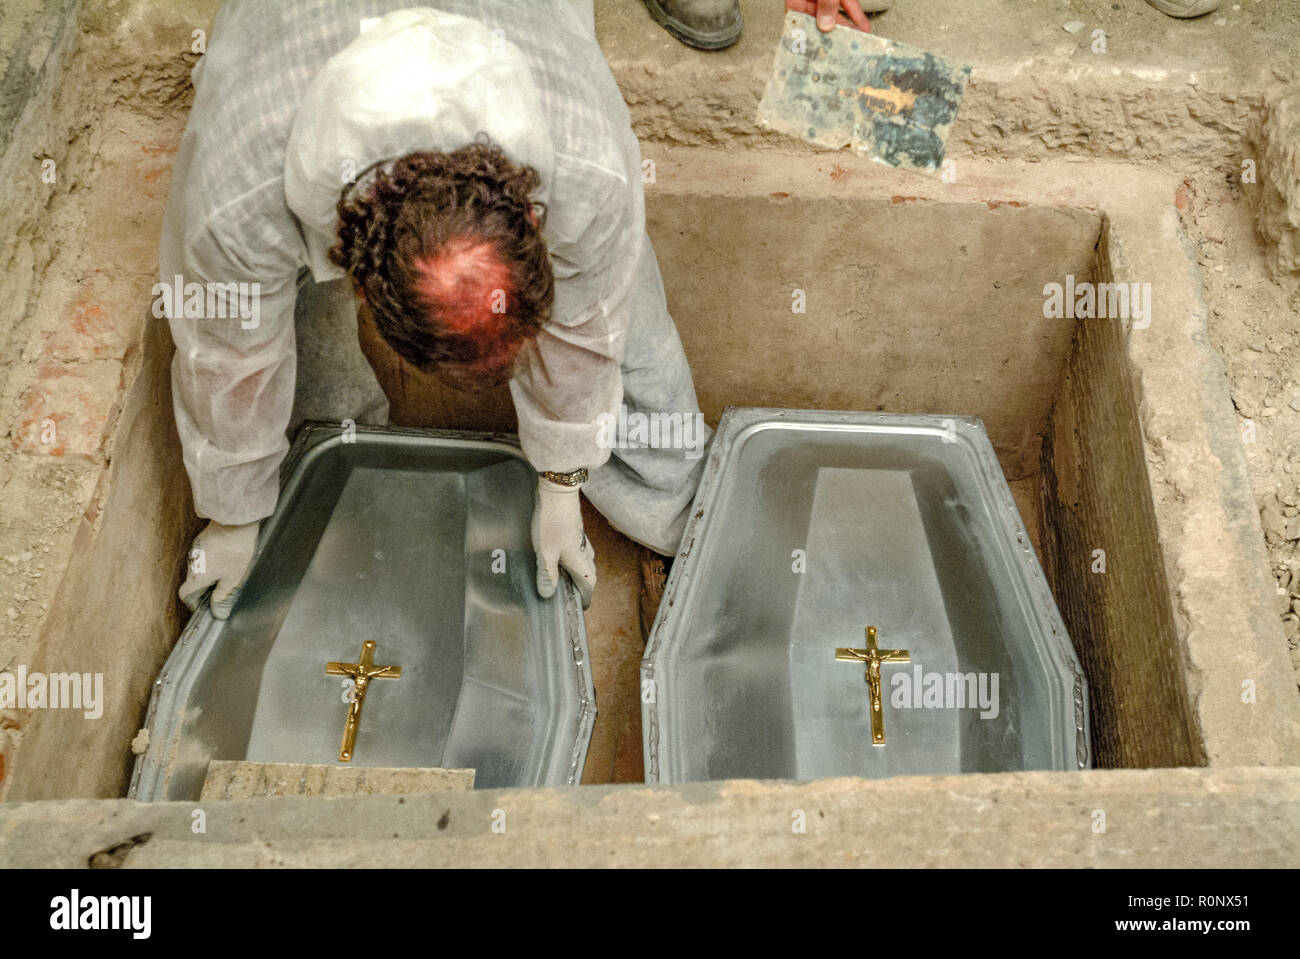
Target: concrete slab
(1172,818)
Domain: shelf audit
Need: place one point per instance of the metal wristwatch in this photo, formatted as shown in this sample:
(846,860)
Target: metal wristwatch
(571,478)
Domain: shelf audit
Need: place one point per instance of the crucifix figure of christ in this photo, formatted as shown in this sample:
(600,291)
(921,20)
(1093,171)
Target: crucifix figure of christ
(873,656)
(361,672)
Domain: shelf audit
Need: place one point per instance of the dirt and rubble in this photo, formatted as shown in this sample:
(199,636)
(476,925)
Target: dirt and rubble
(1255,325)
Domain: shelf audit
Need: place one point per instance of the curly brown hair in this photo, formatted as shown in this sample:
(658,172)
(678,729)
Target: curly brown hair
(447,251)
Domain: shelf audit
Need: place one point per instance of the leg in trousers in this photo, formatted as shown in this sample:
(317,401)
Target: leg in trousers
(646,492)
(334,381)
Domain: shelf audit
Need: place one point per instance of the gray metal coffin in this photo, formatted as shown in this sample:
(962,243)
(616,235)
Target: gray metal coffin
(810,526)
(418,540)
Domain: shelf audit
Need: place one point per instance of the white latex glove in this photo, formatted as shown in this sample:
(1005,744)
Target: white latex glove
(559,540)
(221,556)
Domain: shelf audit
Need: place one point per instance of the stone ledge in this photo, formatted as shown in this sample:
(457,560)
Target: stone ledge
(1168,818)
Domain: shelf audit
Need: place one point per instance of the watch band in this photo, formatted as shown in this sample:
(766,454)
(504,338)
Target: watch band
(571,478)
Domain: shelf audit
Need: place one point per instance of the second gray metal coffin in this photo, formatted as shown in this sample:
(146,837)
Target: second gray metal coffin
(810,526)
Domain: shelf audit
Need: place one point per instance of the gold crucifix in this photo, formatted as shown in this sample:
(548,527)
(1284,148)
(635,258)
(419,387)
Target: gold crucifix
(361,674)
(873,656)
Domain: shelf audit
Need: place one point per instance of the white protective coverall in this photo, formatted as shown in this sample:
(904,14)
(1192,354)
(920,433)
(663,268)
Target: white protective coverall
(291,100)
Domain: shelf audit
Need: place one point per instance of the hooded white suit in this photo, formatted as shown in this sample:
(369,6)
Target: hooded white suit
(295,98)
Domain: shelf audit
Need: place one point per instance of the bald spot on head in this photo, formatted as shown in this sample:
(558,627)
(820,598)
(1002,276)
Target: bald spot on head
(463,281)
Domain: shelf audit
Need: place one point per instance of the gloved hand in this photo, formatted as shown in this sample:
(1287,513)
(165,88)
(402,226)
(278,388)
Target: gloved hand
(559,540)
(220,555)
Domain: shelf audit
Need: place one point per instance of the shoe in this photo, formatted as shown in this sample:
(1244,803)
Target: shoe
(1185,8)
(706,24)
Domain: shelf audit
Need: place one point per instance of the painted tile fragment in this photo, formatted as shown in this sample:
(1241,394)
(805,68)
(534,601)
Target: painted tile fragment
(882,99)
